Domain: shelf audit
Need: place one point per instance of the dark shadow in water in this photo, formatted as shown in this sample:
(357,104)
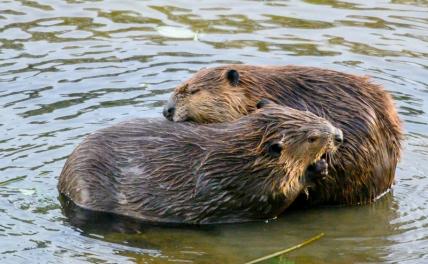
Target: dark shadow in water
(345,228)
(92,221)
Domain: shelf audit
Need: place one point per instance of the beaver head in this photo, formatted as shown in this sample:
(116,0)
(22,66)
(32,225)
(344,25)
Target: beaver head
(296,137)
(210,96)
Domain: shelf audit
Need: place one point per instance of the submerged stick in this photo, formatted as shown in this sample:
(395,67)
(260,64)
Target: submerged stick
(304,243)
(12,180)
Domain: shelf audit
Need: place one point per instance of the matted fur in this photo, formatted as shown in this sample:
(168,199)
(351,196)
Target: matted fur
(157,170)
(365,164)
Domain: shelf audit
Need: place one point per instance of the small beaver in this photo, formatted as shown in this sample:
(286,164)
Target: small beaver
(365,164)
(161,171)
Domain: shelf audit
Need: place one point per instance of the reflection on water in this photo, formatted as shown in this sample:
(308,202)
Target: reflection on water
(70,67)
(237,244)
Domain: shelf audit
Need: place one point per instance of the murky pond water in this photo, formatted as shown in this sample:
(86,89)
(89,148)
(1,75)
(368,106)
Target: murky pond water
(69,67)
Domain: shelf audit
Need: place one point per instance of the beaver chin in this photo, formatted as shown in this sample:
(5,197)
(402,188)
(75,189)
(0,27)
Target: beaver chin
(185,117)
(181,118)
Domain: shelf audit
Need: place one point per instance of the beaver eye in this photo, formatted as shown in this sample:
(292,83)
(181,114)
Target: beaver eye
(312,139)
(194,91)
(275,149)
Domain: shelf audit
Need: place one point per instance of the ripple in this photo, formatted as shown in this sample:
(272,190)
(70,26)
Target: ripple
(298,23)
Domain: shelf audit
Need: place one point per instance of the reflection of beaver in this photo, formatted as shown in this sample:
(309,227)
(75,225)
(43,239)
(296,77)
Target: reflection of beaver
(366,162)
(184,173)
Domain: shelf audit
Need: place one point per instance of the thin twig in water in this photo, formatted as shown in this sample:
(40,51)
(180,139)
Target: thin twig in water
(304,243)
(20,178)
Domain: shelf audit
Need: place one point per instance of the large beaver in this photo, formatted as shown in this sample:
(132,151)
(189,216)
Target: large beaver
(160,171)
(365,164)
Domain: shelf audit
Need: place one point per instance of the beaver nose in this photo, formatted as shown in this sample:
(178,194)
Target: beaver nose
(338,137)
(168,112)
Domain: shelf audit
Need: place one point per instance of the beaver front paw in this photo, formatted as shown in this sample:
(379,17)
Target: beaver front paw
(317,170)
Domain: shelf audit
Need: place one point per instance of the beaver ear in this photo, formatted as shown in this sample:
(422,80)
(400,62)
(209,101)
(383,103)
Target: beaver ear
(233,77)
(275,149)
(263,102)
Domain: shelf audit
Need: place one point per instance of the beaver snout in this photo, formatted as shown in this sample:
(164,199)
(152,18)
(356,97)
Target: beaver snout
(338,137)
(169,111)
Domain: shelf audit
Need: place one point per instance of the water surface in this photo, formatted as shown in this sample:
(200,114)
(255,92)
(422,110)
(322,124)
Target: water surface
(69,67)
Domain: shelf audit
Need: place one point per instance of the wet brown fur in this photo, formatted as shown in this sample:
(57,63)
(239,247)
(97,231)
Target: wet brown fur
(365,164)
(161,171)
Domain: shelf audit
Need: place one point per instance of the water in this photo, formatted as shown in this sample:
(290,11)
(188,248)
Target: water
(69,67)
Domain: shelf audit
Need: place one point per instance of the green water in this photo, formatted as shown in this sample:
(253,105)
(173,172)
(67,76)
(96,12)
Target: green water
(69,67)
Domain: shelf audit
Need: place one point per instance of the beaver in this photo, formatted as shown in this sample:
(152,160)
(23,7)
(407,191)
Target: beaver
(160,171)
(364,167)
